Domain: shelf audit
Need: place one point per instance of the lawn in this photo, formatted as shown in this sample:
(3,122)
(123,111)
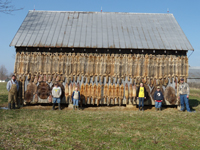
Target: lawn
(105,128)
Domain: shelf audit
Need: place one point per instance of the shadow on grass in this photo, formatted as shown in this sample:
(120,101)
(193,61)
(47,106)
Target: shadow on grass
(193,102)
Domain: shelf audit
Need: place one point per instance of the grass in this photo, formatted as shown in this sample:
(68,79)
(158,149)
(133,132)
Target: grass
(3,93)
(101,129)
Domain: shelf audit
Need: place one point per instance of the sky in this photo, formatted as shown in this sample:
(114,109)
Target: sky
(186,12)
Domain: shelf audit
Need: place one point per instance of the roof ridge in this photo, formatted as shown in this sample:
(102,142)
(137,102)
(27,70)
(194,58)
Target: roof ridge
(99,12)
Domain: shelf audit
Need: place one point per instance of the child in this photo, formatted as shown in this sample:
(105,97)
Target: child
(158,97)
(76,98)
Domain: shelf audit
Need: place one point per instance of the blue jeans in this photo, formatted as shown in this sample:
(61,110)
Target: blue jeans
(158,104)
(56,100)
(184,99)
(141,101)
(75,102)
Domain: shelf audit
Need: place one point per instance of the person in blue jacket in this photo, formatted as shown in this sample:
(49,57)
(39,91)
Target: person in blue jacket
(158,97)
(75,98)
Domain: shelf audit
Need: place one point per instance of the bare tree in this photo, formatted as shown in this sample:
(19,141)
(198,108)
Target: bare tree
(7,7)
(3,72)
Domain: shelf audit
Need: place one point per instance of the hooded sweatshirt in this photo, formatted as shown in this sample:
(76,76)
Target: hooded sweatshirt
(56,92)
(158,96)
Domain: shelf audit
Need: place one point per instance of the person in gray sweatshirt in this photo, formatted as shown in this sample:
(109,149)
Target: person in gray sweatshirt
(158,97)
(56,93)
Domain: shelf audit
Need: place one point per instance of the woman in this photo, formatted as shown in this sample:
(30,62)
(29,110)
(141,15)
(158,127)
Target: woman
(141,94)
(76,98)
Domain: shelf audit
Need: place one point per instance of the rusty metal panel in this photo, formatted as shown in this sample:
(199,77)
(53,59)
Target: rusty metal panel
(120,29)
(73,30)
(68,29)
(115,30)
(63,28)
(110,32)
(56,28)
(78,31)
(124,24)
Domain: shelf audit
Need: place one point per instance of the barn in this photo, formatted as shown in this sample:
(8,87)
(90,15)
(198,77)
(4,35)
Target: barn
(105,54)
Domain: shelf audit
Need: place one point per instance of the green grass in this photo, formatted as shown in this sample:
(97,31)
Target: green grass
(3,93)
(101,129)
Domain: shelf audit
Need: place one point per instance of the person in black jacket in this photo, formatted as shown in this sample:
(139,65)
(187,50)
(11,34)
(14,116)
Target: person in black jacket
(158,97)
(141,94)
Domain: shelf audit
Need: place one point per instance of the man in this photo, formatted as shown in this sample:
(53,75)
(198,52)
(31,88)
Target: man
(76,98)
(158,97)
(56,93)
(141,94)
(184,92)
(12,87)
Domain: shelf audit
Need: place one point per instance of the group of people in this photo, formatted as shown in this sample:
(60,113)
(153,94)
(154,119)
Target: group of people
(13,87)
(142,94)
(184,92)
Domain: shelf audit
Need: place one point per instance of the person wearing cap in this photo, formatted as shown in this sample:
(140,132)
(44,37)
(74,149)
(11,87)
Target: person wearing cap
(158,97)
(56,93)
(12,87)
(75,98)
(184,92)
(141,94)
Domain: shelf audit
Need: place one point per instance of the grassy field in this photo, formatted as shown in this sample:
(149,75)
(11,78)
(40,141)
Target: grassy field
(105,128)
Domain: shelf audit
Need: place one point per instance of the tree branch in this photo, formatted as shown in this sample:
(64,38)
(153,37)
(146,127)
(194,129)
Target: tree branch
(7,7)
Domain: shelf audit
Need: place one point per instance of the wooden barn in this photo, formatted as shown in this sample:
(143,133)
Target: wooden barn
(105,54)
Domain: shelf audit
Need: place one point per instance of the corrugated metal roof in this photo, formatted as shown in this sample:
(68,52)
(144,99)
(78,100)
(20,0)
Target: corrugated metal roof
(194,73)
(101,30)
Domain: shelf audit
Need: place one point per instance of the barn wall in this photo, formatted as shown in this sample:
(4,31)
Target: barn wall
(92,70)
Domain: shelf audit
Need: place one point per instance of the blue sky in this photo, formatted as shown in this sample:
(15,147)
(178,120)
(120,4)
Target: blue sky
(186,12)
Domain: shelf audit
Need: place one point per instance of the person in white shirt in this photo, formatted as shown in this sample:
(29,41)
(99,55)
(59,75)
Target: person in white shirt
(56,93)
(12,87)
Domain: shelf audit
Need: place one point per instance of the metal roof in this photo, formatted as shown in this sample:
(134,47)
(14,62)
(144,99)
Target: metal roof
(194,73)
(101,30)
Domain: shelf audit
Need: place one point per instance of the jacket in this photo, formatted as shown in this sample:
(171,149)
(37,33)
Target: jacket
(158,96)
(78,95)
(137,92)
(184,89)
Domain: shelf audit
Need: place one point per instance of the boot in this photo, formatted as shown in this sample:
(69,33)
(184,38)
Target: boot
(160,109)
(139,109)
(78,108)
(73,107)
(142,109)
(13,105)
(59,106)
(9,105)
(53,106)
